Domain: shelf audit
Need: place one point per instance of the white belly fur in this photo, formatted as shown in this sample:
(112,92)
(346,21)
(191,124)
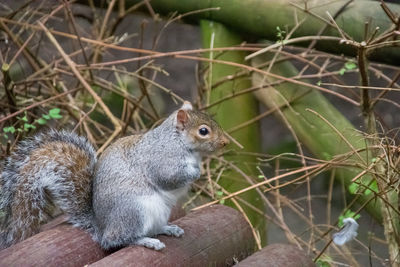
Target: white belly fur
(157,209)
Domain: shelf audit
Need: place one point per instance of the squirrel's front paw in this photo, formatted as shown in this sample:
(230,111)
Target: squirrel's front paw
(192,166)
(172,230)
(150,243)
(193,170)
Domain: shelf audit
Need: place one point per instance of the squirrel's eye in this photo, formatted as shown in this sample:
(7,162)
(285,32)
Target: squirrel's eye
(203,131)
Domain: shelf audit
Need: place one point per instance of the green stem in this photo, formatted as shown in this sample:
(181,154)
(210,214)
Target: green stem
(233,112)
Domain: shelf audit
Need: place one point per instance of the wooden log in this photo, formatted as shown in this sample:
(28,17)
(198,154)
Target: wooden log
(53,223)
(278,255)
(214,236)
(60,245)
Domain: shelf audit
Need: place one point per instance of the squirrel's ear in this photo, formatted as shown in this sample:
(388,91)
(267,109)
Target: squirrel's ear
(187,106)
(181,119)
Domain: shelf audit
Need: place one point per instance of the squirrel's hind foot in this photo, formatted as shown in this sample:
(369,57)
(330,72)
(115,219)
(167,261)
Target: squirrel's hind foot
(172,230)
(150,243)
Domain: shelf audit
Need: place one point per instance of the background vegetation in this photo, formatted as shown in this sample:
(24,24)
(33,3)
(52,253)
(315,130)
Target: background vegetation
(316,101)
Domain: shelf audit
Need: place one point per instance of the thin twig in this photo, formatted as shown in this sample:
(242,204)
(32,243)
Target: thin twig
(71,64)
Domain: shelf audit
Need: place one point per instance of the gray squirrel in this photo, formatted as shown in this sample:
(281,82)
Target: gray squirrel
(123,198)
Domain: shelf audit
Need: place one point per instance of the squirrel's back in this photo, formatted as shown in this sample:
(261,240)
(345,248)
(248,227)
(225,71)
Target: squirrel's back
(50,169)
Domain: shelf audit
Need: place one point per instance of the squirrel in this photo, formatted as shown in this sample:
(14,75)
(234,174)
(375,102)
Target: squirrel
(122,198)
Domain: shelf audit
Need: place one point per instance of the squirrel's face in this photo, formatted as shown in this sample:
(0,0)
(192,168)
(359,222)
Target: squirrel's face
(204,134)
(207,136)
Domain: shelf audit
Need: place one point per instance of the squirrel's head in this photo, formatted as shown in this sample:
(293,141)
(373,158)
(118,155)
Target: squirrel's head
(203,133)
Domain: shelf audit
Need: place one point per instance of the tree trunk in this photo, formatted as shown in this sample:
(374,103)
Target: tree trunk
(261,17)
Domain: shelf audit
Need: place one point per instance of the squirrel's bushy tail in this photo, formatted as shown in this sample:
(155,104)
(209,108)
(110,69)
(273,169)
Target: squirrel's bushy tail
(50,169)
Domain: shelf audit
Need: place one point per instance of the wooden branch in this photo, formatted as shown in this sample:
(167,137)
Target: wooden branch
(216,236)
(277,255)
(59,245)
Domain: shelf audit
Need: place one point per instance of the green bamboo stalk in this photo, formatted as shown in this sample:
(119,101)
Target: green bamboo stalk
(261,17)
(232,112)
(322,139)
